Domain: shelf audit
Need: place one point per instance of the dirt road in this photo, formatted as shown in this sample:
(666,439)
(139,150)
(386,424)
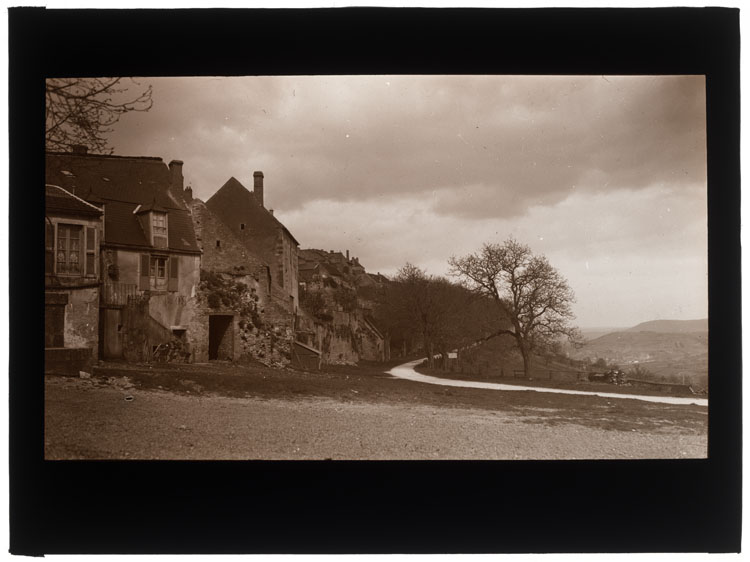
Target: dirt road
(86,419)
(406,371)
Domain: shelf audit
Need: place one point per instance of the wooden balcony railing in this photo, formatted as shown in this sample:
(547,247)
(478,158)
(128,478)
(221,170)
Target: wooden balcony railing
(117,294)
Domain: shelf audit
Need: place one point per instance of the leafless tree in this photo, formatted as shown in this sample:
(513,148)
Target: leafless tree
(529,293)
(446,315)
(82,111)
(416,304)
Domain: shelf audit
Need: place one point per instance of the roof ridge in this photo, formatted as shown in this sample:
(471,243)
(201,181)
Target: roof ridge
(74,196)
(89,155)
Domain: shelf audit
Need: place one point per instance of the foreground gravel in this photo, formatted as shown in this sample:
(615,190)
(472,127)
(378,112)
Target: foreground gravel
(86,420)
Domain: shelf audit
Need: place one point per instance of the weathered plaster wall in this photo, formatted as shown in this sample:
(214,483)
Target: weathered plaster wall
(150,319)
(128,265)
(82,319)
(188,274)
(168,309)
(141,332)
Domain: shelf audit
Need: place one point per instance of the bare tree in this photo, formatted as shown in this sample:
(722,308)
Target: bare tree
(446,315)
(82,111)
(417,303)
(529,293)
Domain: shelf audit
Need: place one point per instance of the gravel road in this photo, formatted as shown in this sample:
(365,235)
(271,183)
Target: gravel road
(86,420)
(406,371)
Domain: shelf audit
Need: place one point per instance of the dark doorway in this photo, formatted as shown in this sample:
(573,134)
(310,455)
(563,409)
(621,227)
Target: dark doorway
(220,337)
(54,326)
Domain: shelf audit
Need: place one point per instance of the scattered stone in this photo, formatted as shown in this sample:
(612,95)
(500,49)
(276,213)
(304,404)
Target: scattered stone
(128,398)
(84,375)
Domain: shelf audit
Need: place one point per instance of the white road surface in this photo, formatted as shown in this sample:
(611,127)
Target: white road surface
(406,371)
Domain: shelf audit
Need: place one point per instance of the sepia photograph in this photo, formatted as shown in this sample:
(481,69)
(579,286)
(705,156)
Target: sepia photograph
(374,281)
(389,267)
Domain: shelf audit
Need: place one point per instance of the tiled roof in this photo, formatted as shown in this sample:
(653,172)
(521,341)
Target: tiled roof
(121,184)
(58,200)
(236,196)
(143,180)
(181,233)
(122,227)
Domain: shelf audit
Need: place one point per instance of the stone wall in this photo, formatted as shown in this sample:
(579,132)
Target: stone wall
(287,268)
(371,344)
(67,361)
(339,330)
(258,334)
(343,340)
(222,251)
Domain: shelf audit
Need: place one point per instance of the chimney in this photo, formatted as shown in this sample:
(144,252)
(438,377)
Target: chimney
(175,176)
(270,211)
(188,194)
(258,186)
(79,149)
(347,255)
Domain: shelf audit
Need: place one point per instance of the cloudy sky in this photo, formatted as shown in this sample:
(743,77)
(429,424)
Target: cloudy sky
(605,175)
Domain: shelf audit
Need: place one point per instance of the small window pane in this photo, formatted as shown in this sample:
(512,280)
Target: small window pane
(69,248)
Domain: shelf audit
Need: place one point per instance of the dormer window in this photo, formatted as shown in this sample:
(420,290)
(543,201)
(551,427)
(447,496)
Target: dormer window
(159,229)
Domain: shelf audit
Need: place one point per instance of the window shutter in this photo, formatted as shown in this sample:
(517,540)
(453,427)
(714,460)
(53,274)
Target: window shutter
(174,265)
(90,250)
(49,248)
(145,264)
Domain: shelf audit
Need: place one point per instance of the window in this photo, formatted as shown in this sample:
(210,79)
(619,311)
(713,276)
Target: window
(158,273)
(69,249)
(160,224)
(242,226)
(159,229)
(218,243)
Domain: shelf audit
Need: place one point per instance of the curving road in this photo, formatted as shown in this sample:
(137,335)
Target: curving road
(406,371)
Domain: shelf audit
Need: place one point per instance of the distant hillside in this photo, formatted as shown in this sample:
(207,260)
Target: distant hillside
(599,331)
(642,346)
(682,354)
(672,326)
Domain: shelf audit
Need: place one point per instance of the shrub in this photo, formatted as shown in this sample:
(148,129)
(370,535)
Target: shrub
(229,294)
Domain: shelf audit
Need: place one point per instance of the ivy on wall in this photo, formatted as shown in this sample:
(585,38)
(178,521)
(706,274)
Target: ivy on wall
(225,293)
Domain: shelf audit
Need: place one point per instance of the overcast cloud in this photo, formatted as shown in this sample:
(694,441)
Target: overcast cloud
(604,175)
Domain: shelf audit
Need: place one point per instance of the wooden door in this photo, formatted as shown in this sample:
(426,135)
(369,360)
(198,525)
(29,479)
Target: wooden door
(112,333)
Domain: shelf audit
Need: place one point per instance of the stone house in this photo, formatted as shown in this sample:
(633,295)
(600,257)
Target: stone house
(263,235)
(73,231)
(234,296)
(149,258)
